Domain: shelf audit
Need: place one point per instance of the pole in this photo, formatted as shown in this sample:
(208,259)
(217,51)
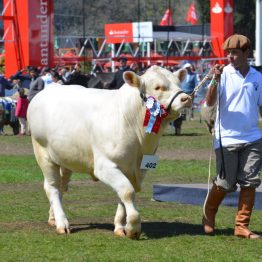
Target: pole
(258,54)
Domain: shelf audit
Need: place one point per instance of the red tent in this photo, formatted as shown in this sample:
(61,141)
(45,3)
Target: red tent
(109,64)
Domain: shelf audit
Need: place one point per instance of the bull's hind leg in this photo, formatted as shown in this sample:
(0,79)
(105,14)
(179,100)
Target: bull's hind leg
(52,186)
(65,179)
(107,172)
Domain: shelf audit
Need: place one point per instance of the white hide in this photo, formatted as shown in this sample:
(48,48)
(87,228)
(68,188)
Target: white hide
(100,132)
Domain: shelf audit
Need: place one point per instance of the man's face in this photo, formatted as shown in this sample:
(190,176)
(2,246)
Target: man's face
(237,57)
(122,62)
(32,73)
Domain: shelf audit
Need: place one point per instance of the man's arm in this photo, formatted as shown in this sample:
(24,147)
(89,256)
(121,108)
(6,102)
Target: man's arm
(211,95)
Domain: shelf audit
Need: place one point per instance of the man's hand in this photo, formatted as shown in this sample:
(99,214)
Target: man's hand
(217,71)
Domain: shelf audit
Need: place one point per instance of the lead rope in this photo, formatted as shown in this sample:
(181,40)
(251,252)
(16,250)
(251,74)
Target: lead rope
(202,82)
(209,175)
(207,77)
(222,176)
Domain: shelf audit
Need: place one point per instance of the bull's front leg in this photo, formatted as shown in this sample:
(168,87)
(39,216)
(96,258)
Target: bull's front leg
(120,220)
(133,221)
(107,172)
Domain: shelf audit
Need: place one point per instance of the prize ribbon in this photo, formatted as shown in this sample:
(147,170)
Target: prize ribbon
(154,115)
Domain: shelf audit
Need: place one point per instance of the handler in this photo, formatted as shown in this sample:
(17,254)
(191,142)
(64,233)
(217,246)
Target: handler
(237,88)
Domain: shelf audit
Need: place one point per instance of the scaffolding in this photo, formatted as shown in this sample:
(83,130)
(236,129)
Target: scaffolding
(165,49)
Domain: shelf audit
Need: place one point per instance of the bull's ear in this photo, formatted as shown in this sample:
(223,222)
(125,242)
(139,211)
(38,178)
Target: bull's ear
(181,74)
(132,78)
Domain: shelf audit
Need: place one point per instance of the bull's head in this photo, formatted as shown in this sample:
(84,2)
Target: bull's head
(163,85)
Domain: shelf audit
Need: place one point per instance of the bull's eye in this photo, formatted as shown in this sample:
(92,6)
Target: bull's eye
(158,87)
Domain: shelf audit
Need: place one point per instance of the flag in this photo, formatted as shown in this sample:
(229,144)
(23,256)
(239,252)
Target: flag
(191,16)
(167,18)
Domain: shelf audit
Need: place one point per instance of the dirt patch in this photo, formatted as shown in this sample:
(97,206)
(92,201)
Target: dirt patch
(16,150)
(176,154)
(186,154)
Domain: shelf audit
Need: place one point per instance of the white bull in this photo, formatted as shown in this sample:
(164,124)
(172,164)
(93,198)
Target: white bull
(100,132)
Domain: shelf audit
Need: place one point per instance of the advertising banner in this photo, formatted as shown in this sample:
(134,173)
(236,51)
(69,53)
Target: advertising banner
(32,34)
(40,32)
(128,32)
(222,23)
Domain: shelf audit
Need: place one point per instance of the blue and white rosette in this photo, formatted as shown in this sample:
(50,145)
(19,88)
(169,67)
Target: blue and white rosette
(154,108)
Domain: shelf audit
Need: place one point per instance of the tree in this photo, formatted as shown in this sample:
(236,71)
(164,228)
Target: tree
(88,17)
(245,19)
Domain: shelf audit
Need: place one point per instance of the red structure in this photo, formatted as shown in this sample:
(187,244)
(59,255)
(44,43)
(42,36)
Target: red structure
(222,23)
(28,27)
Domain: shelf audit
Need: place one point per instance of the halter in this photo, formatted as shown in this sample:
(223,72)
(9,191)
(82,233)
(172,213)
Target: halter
(172,100)
(144,98)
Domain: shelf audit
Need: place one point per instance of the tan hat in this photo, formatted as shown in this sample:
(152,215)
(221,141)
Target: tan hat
(236,42)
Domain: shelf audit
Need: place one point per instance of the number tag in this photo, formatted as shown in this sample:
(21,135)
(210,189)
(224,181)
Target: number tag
(149,162)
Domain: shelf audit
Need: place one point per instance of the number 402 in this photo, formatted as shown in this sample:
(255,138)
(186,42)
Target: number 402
(150,165)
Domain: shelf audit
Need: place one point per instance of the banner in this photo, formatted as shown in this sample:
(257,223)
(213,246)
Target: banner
(128,32)
(32,32)
(191,16)
(167,18)
(40,32)
(222,23)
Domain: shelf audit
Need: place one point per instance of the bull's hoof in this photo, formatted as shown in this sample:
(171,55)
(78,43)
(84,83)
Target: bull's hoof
(51,222)
(134,235)
(62,231)
(120,232)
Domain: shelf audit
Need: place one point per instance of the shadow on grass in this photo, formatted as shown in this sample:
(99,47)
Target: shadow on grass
(78,227)
(154,230)
(170,229)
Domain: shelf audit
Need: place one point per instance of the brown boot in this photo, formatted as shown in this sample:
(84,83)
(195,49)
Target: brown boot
(245,206)
(215,197)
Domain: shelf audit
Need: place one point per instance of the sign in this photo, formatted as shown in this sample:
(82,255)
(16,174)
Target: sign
(143,32)
(40,15)
(129,32)
(32,23)
(149,162)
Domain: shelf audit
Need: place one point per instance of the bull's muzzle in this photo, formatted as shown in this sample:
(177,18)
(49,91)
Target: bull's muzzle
(186,100)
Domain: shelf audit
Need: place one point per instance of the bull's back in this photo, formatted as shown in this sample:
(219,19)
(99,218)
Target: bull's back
(70,122)
(60,120)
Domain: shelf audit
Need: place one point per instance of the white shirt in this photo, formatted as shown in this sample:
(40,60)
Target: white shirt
(239,99)
(47,79)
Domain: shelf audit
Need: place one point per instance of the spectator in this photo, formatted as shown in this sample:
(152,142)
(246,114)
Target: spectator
(46,76)
(56,77)
(238,140)
(21,110)
(17,83)
(37,83)
(118,80)
(4,84)
(189,84)
(65,74)
(24,77)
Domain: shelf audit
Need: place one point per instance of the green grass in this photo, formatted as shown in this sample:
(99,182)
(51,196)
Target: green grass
(170,231)
(194,136)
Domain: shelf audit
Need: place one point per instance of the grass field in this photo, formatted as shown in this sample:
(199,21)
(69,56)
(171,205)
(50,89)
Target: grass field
(170,231)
